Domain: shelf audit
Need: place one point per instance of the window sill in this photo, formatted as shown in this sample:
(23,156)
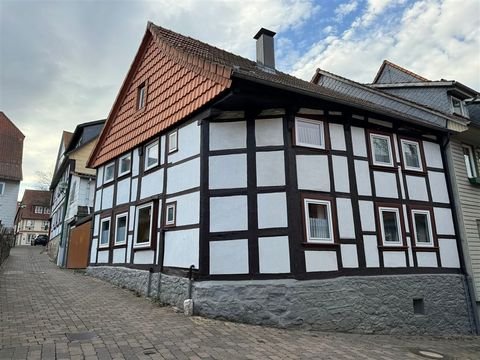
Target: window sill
(320,245)
(425,248)
(474,180)
(393,247)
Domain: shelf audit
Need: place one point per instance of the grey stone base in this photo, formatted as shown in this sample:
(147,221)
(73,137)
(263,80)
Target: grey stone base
(360,304)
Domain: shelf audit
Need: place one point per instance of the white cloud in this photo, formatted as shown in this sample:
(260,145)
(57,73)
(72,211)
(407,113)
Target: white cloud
(426,39)
(344,9)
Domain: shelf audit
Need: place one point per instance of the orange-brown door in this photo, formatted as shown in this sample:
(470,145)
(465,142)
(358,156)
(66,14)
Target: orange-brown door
(78,246)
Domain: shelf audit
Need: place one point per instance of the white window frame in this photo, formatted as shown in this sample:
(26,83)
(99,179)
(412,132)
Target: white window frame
(2,188)
(390,152)
(315,122)
(137,211)
(429,222)
(471,160)
(170,142)
(105,180)
(330,222)
(462,106)
(170,206)
(141,95)
(399,226)
(147,147)
(40,208)
(104,220)
(120,173)
(411,142)
(124,241)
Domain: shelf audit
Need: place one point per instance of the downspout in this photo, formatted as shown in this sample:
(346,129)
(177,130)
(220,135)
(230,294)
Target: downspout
(469,289)
(65,208)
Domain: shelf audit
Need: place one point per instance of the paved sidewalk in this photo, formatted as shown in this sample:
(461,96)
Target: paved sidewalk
(49,313)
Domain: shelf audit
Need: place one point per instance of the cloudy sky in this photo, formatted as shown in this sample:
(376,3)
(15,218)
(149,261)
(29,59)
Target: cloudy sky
(62,62)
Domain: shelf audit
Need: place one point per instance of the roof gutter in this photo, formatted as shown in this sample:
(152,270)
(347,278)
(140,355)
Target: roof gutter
(334,99)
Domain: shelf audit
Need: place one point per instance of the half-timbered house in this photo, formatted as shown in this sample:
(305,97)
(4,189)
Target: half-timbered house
(319,208)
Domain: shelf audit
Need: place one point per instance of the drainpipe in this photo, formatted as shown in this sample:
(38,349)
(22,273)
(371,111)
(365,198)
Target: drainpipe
(468,283)
(65,208)
(190,280)
(149,284)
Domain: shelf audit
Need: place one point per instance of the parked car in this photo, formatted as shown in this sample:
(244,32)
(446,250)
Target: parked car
(41,240)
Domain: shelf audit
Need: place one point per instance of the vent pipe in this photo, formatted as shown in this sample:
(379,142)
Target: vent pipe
(265,49)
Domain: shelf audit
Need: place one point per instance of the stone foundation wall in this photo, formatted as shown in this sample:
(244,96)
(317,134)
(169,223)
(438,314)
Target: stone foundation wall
(367,304)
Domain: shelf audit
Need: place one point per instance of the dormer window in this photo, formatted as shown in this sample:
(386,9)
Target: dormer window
(457,106)
(141,95)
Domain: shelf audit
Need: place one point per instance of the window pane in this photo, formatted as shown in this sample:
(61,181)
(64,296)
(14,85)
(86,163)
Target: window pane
(318,221)
(381,150)
(152,155)
(457,106)
(125,164)
(309,133)
(467,156)
(104,238)
(121,229)
(109,172)
(172,141)
(170,214)
(410,152)
(143,231)
(421,227)
(390,226)
(141,96)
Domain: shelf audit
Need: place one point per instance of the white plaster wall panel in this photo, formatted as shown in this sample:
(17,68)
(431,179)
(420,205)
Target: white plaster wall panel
(433,155)
(143,257)
(321,261)
(228,213)
(93,251)
(444,221)
(427,259)
(229,257)
(152,184)
(367,215)
(362,175)
(118,256)
(135,162)
(346,227)
(270,168)
(183,176)
(102,257)
(131,218)
(337,136)
(100,176)
(162,149)
(129,247)
(409,250)
(188,208)
(269,132)
(358,141)
(394,259)
(370,246)
(349,255)
(159,219)
(96,225)
(133,194)
(274,255)
(402,185)
(449,253)
(438,186)
(228,135)
(340,173)
(123,191)
(417,188)
(272,210)
(188,142)
(385,184)
(98,200)
(181,248)
(312,172)
(227,171)
(107,197)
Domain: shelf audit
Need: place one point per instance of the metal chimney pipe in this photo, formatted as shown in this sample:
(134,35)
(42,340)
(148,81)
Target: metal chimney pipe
(265,48)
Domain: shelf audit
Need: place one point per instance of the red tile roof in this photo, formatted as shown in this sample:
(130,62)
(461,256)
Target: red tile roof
(32,198)
(11,149)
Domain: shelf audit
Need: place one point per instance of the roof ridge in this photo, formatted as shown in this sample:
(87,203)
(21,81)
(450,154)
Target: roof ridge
(398,67)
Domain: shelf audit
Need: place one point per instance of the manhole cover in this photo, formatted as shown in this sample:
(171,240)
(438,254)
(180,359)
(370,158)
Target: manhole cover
(429,354)
(80,336)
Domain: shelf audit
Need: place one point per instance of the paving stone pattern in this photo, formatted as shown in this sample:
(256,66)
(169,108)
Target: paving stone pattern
(50,313)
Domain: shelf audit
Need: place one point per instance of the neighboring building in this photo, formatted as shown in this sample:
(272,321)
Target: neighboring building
(32,217)
(462,149)
(11,151)
(72,186)
(323,201)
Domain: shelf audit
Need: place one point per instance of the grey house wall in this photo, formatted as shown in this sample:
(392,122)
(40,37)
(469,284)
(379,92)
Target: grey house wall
(8,202)
(433,97)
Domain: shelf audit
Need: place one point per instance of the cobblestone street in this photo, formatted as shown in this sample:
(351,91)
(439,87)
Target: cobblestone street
(49,313)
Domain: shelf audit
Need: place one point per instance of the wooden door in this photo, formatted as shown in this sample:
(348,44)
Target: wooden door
(78,246)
